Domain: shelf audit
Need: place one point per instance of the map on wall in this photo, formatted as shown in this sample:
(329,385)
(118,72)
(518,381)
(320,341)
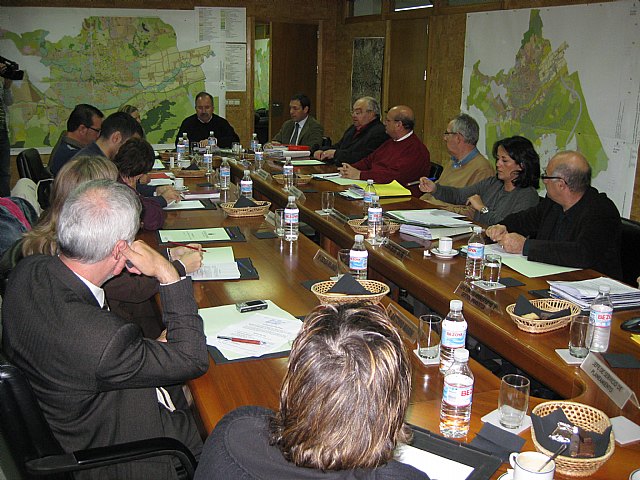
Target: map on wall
(151,59)
(547,78)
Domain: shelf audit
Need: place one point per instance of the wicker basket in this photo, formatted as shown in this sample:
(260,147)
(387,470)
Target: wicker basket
(179,172)
(378,291)
(583,416)
(356,226)
(261,209)
(299,179)
(541,326)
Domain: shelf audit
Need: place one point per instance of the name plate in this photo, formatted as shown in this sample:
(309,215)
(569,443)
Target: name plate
(407,328)
(476,297)
(326,260)
(341,217)
(618,391)
(395,249)
(262,174)
(299,194)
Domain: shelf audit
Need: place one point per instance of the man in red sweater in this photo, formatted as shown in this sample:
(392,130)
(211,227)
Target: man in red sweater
(403,157)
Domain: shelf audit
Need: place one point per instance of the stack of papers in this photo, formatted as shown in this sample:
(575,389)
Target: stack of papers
(393,189)
(429,217)
(217,264)
(583,292)
(433,233)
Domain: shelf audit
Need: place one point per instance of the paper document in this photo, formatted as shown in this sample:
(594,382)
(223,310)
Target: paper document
(301,163)
(526,267)
(194,235)
(184,205)
(434,233)
(274,326)
(157,165)
(433,465)
(322,176)
(200,195)
(346,181)
(156,182)
(584,291)
(218,263)
(429,217)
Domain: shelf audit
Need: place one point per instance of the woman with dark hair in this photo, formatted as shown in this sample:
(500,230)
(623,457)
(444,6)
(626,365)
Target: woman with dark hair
(342,407)
(514,188)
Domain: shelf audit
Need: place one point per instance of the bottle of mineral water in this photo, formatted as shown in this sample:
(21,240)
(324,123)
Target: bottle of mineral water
(600,313)
(208,160)
(185,140)
(288,174)
(259,156)
(291,214)
(225,174)
(369,191)
(475,256)
(457,395)
(358,257)
(181,152)
(246,185)
(213,141)
(454,334)
(374,221)
(254,142)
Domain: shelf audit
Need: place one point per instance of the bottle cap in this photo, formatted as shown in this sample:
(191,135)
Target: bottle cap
(604,288)
(370,181)
(375,198)
(359,238)
(461,355)
(477,229)
(211,133)
(292,198)
(455,305)
(246,172)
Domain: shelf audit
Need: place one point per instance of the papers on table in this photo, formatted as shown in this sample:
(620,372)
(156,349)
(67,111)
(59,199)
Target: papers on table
(184,205)
(346,181)
(393,189)
(201,195)
(194,235)
(156,182)
(218,263)
(429,217)
(325,176)
(526,267)
(279,152)
(435,232)
(274,326)
(583,292)
(157,165)
(433,465)
(301,163)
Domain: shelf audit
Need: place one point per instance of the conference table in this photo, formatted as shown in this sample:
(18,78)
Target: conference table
(283,266)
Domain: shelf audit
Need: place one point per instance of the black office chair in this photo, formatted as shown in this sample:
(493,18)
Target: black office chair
(629,241)
(30,166)
(37,454)
(436,171)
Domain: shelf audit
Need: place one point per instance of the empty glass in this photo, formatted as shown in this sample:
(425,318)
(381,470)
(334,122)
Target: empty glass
(429,336)
(514,400)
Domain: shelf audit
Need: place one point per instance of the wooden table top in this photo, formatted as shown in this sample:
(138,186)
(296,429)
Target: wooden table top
(283,266)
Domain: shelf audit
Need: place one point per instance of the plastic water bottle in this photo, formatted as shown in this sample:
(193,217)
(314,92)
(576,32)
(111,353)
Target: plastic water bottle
(254,142)
(208,160)
(288,174)
(259,156)
(374,221)
(213,141)
(454,334)
(246,185)
(185,140)
(475,256)
(369,191)
(358,258)
(181,152)
(600,313)
(225,174)
(457,395)
(291,214)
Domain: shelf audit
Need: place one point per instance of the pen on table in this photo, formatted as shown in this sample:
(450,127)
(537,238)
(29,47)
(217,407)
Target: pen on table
(417,182)
(242,340)
(178,244)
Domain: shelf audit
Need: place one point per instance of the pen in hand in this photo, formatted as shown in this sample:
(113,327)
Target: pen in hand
(417,182)
(178,244)
(242,340)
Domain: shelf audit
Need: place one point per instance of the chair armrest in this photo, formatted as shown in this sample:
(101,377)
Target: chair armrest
(120,453)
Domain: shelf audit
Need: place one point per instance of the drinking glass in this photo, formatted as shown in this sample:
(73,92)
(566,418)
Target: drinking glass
(328,201)
(514,400)
(491,268)
(429,336)
(343,261)
(579,342)
(279,214)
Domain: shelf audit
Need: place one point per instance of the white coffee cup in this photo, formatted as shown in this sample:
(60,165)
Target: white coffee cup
(526,465)
(178,183)
(445,244)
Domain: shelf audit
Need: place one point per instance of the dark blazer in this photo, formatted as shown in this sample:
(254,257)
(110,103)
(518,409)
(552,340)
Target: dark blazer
(352,148)
(310,135)
(95,375)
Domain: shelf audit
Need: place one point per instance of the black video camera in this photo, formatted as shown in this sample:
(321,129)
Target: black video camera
(12,72)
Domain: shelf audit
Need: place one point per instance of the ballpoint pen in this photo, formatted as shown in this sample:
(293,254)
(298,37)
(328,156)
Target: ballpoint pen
(411,184)
(242,340)
(178,244)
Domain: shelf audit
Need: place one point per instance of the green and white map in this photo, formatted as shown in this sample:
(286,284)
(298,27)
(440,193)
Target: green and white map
(108,58)
(564,77)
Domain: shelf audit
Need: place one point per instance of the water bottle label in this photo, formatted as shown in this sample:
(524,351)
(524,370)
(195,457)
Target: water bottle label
(375,215)
(180,148)
(291,215)
(458,390)
(246,186)
(475,251)
(358,260)
(288,169)
(225,172)
(453,334)
(259,156)
(208,158)
(367,197)
(600,318)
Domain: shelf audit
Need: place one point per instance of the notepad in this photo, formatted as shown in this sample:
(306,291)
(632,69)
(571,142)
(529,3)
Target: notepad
(194,235)
(218,263)
(184,205)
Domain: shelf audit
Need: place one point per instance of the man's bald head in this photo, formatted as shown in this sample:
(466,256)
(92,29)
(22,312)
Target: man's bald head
(399,121)
(574,168)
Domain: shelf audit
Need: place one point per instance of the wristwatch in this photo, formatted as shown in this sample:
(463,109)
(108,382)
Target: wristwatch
(484,210)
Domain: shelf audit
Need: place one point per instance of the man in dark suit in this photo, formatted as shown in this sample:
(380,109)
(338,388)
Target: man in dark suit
(302,128)
(95,376)
(362,138)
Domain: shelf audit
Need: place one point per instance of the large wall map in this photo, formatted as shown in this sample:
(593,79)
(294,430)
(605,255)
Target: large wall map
(542,74)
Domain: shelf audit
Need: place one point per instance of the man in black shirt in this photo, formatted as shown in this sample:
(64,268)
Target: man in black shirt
(198,125)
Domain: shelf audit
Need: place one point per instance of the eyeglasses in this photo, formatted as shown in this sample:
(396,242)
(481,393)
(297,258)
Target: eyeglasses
(360,112)
(449,133)
(544,176)
(97,130)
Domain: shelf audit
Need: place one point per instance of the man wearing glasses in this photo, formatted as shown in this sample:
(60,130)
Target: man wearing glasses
(574,225)
(83,128)
(468,166)
(362,138)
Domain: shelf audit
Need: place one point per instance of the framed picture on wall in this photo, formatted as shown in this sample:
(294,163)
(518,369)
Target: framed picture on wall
(366,72)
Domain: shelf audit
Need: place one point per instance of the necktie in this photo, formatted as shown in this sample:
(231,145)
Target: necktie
(294,137)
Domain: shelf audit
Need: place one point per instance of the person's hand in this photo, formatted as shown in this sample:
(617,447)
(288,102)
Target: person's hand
(163,336)
(476,202)
(512,242)
(328,155)
(318,154)
(203,143)
(496,232)
(146,260)
(144,179)
(347,171)
(169,193)
(191,259)
(427,186)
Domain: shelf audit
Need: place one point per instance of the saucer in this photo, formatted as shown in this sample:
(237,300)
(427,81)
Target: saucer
(452,253)
(505,476)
